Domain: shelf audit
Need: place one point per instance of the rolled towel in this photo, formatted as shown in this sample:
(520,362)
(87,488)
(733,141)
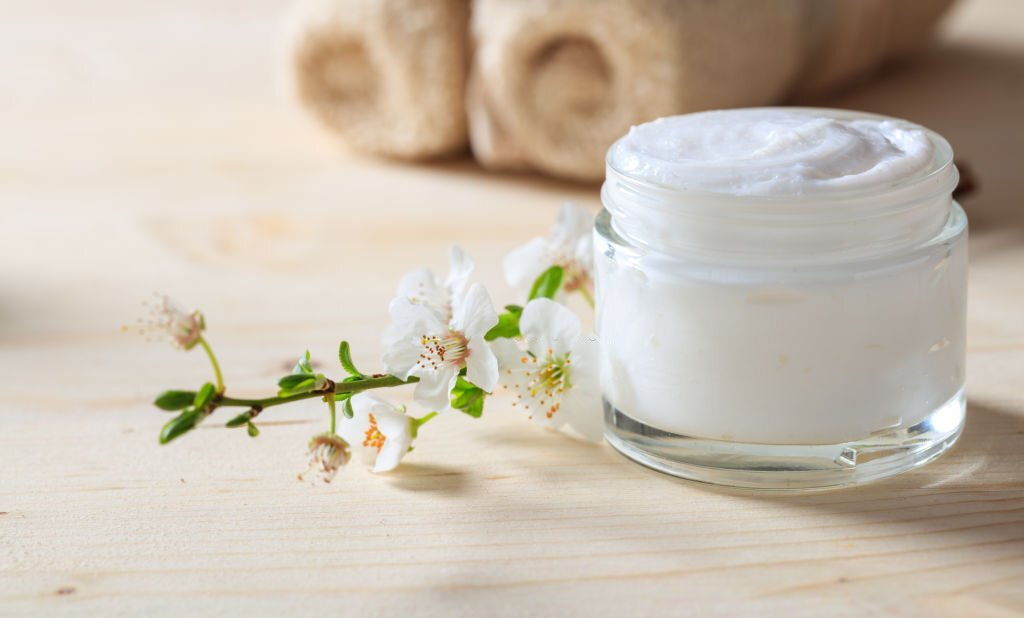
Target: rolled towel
(554,82)
(387,76)
(849,39)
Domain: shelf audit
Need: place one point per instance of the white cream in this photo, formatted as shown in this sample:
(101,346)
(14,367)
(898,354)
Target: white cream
(772,152)
(781,276)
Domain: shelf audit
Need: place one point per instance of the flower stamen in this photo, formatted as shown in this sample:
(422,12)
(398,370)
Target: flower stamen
(546,384)
(451,349)
(374,438)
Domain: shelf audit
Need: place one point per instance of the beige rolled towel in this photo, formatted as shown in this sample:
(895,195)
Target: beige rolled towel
(849,39)
(555,82)
(386,76)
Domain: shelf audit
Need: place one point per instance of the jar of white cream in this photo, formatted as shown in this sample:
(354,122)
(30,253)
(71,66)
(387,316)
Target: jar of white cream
(781,297)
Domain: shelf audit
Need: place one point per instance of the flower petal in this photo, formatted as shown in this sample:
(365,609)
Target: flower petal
(406,314)
(546,325)
(524,264)
(461,267)
(585,357)
(475,314)
(393,424)
(420,286)
(584,253)
(582,410)
(433,391)
(390,456)
(397,431)
(481,365)
(581,404)
(353,429)
(508,355)
(573,223)
(402,355)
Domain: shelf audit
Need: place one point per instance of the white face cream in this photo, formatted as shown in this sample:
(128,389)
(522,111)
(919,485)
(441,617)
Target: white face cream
(772,152)
(781,296)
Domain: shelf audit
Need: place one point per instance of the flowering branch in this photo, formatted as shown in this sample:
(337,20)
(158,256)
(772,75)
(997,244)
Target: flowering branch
(172,401)
(445,339)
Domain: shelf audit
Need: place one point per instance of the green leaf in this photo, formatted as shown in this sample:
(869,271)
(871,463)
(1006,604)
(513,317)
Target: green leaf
(204,396)
(297,381)
(252,429)
(239,420)
(345,356)
(346,409)
(508,324)
(468,397)
(172,401)
(304,365)
(303,387)
(548,283)
(181,424)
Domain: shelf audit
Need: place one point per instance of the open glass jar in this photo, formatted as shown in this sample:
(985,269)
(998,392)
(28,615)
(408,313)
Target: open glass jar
(787,339)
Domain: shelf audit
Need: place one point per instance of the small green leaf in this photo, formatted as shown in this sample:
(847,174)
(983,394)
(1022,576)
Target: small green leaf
(204,396)
(468,397)
(239,420)
(548,283)
(345,356)
(304,365)
(173,401)
(508,324)
(252,429)
(346,409)
(183,423)
(304,387)
(296,383)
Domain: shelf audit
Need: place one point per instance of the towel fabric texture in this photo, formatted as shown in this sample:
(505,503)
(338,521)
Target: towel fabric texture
(548,85)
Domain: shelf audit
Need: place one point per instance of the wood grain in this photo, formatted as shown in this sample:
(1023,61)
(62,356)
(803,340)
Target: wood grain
(143,149)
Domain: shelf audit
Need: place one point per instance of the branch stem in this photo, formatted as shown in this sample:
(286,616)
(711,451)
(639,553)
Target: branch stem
(334,411)
(213,361)
(355,386)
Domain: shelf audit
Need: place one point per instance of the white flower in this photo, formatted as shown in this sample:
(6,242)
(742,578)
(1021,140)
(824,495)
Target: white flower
(183,329)
(425,345)
(380,431)
(327,453)
(421,286)
(571,246)
(556,377)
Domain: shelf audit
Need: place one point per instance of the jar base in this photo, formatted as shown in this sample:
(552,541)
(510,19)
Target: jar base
(785,467)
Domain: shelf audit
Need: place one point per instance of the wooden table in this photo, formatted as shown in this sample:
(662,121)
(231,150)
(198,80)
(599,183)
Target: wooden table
(142,149)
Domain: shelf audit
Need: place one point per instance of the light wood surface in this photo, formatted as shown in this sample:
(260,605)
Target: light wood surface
(142,148)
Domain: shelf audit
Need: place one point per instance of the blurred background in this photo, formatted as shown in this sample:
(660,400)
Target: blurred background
(537,87)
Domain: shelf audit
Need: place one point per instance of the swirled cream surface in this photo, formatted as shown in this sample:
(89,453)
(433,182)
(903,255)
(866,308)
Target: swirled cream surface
(773,152)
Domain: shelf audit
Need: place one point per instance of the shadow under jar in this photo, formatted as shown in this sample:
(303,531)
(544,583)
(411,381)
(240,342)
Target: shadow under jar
(781,297)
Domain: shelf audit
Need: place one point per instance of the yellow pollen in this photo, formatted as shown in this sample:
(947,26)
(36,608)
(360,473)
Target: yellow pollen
(374,438)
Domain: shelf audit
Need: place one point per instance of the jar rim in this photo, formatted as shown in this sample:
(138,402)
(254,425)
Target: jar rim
(942,165)
(831,225)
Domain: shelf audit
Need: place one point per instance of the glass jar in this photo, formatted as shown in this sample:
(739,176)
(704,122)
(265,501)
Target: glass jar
(785,341)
